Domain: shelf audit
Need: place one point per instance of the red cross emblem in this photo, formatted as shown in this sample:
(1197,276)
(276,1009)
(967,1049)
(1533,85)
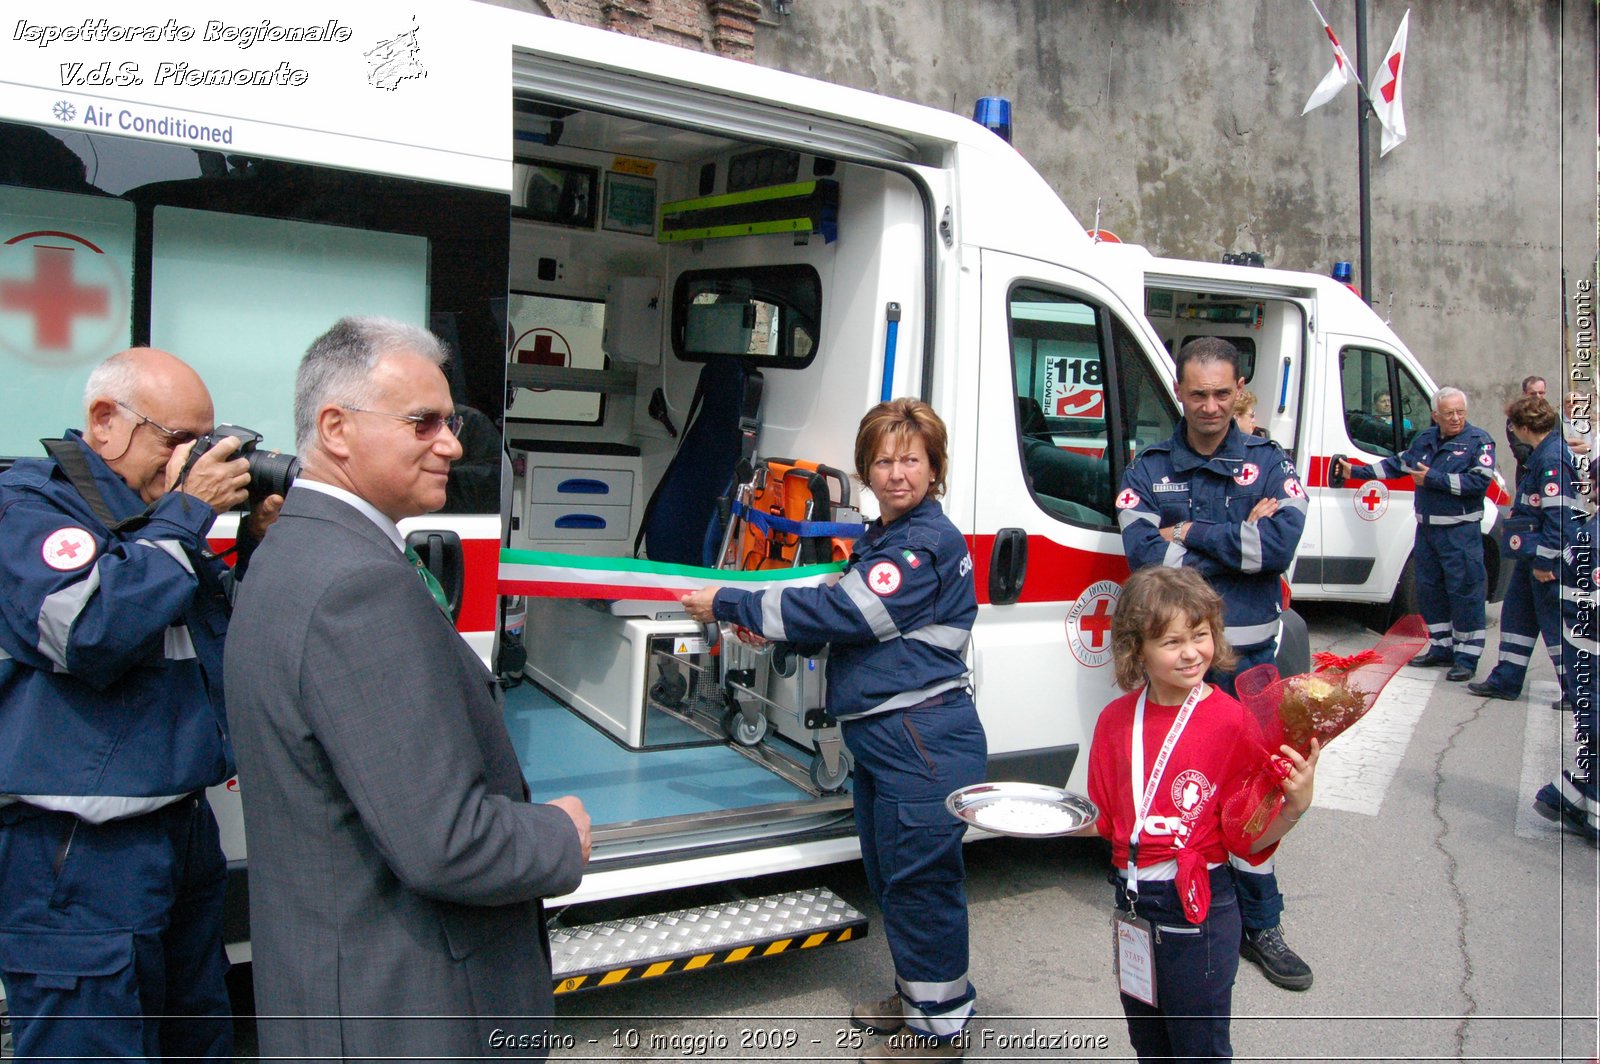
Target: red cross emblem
(1484,459)
(1552,488)
(1372,501)
(1293,489)
(1088,623)
(1128,499)
(549,348)
(1247,475)
(68,548)
(884,579)
(60,295)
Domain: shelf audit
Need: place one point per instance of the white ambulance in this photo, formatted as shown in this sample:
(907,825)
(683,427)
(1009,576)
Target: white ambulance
(603,229)
(1330,378)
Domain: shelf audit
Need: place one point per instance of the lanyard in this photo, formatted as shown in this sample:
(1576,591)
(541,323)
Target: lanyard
(1142,800)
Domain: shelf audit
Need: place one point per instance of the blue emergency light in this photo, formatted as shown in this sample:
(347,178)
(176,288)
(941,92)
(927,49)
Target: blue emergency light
(994,113)
(1342,272)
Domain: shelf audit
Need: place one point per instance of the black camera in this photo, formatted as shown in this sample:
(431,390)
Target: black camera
(271,472)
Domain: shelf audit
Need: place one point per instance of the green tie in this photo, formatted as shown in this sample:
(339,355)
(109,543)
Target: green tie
(429,579)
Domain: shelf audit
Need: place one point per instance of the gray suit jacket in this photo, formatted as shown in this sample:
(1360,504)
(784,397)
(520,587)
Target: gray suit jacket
(395,860)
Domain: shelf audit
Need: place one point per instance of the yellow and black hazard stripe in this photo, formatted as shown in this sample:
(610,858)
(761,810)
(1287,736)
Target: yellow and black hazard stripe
(695,961)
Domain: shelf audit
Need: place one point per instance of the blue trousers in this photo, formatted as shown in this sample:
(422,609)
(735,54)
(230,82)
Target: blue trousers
(111,934)
(1532,609)
(1260,900)
(1452,589)
(1195,969)
(906,762)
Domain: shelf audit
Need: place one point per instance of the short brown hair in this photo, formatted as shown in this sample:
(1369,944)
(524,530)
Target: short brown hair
(1532,413)
(1151,599)
(908,419)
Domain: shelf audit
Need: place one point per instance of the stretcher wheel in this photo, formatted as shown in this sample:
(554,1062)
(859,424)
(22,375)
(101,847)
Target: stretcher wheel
(829,782)
(744,731)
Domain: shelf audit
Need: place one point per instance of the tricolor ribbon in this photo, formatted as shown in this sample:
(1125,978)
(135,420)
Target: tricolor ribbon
(544,574)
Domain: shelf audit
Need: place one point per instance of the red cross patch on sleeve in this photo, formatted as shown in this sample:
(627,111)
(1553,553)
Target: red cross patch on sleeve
(884,579)
(68,548)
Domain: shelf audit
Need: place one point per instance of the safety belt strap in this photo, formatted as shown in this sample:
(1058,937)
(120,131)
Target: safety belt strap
(69,456)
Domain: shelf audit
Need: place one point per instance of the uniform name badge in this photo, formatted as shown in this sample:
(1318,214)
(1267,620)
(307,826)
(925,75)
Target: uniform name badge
(1135,957)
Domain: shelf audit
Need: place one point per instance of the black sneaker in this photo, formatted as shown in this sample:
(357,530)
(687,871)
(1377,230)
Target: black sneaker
(1281,965)
(1489,690)
(1428,661)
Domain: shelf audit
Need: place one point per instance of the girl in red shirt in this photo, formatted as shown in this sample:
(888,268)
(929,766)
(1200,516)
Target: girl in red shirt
(1164,759)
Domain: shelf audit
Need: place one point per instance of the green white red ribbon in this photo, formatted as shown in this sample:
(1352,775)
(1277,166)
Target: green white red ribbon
(545,574)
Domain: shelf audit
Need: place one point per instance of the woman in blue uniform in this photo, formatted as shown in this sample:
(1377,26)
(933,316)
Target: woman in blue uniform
(898,624)
(1548,499)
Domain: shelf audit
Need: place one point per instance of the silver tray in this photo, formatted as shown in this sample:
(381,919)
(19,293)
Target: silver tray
(968,805)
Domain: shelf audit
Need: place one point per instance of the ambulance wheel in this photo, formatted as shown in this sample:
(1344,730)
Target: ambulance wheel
(1405,597)
(741,730)
(829,782)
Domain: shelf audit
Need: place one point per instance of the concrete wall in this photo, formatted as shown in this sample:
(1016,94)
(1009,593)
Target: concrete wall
(1183,120)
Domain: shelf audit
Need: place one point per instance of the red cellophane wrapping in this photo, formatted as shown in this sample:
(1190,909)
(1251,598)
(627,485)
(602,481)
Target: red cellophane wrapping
(1293,710)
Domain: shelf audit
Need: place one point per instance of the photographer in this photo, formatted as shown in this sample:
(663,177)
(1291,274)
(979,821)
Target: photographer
(112,722)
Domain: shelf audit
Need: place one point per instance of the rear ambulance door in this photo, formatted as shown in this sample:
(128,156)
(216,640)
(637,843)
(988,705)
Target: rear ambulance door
(1375,407)
(1065,396)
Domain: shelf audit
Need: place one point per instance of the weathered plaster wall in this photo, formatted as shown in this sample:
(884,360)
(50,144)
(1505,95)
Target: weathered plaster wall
(1183,120)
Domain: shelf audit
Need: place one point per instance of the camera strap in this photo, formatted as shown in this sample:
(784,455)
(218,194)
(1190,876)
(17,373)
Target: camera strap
(69,456)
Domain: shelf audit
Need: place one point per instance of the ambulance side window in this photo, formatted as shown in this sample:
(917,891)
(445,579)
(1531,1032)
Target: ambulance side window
(1078,421)
(1384,406)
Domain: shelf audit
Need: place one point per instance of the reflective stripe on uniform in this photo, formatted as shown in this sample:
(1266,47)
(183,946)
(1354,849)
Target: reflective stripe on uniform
(906,699)
(1247,635)
(873,611)
(1449,519)
(59,611)
(1249,547)
(943,636)
(772,615)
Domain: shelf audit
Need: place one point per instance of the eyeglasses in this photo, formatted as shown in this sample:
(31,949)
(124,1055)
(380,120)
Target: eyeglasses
(427,425)
(171,437)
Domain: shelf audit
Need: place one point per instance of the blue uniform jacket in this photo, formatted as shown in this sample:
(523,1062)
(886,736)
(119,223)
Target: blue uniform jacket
(1549,491)
(898,621)
(110,644)
(1243,561)
(1460,471)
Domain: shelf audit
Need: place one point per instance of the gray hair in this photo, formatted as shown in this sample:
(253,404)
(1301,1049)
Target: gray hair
(117,378)
(1448,392)
(337,367)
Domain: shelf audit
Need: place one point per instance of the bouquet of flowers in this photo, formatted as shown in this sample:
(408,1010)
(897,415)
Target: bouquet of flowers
(1319,705)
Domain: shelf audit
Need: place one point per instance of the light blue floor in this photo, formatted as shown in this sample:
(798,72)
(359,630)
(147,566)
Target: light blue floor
(563,754)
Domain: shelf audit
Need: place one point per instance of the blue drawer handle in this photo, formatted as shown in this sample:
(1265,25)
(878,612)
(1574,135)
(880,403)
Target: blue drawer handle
(580,521)
(583,486)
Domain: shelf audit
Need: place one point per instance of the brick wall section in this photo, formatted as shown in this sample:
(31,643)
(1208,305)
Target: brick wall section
(726,27)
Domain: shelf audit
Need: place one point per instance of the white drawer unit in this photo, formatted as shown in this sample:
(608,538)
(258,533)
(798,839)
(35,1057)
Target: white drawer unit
(580,503)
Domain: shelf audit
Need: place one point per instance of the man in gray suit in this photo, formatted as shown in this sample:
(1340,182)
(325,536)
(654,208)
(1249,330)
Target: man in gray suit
(396,862)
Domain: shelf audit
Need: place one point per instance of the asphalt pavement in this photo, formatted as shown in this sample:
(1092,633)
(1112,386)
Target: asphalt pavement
(1443,919)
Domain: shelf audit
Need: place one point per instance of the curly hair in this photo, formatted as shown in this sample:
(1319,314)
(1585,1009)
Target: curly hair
(905,419)
(1532,413)
(1151,600)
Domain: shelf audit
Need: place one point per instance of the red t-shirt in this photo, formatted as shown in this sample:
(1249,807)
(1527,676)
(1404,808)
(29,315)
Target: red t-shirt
(1218,747)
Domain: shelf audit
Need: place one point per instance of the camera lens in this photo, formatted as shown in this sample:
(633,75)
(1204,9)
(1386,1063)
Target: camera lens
(271,473)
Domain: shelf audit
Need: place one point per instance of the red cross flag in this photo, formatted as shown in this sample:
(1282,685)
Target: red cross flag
(1342,73)
(1388,102)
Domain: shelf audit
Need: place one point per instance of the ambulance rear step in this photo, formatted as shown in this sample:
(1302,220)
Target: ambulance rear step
(620,951)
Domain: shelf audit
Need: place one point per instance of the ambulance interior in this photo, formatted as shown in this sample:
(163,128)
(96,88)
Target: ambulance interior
(1269,334)
(648,264)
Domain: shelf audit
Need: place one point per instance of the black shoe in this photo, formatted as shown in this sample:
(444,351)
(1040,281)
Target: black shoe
(1281,965)
(1561,705)
(1428,661)
(1489,690)
(1458,673)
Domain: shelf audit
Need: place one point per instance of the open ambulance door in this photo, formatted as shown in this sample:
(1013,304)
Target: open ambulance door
(1065,396)
(1374,407)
